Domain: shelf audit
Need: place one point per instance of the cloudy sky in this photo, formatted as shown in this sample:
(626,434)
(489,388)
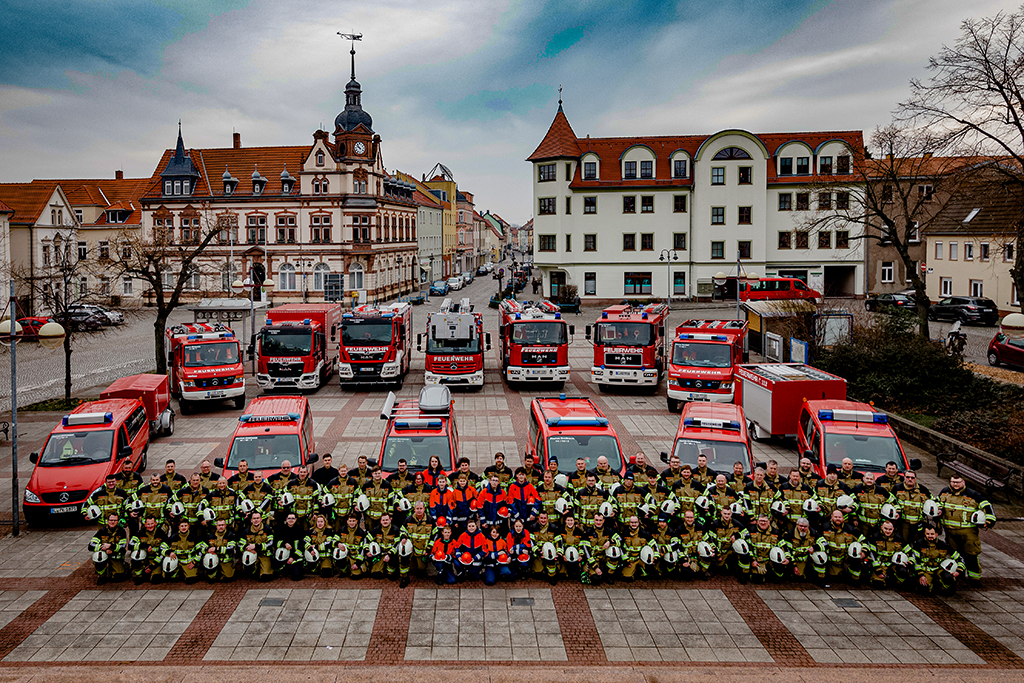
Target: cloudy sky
(90,86)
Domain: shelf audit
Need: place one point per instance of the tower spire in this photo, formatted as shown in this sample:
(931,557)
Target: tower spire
(353,37)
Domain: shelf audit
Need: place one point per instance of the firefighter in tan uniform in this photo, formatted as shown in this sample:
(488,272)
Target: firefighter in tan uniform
(799,544)
(911,496)
(307,497)
(354,540)
(603,565)
(107,546)
(758,494)
(261,495)
(959,504)
(207,478)
(223,500)
(632,541)
(674,472)
(549,493)
(835,541)
(691,565)
(152,542)
(702,474)
(419,528)
(573,535)
(258,539)
(827,492)
(578,479)
(344,489)
(184,547)
(848,475)
(544,532)
(758,565)
(223,545)
(627,498)
(870,499)
(240,479)
(936,565)
(157,497)
(322,539)
(883,546)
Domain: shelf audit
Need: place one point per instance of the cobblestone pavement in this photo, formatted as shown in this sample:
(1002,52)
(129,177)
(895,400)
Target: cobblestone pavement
(52,612)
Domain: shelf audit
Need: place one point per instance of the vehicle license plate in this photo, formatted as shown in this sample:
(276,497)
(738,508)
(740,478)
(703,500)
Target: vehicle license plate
(698,397)
(215,394)
(65,508)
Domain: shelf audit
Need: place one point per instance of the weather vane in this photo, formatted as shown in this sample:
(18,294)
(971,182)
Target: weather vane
(353,37)
(559,93)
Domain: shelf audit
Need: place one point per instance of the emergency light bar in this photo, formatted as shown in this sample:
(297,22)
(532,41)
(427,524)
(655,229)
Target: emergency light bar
(78,419)
(418,423)
(577,421)
(853,416)
(712,337)
(212,335)
(288,417)
(705,423)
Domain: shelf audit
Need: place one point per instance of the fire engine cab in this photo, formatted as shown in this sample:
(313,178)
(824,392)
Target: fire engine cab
(629,345)
(704,356)
(204,362)
(375,344)
(418,429)
(534,342)
(831,430)
(455,345)
(718,431)
(298,346)
(565,428)
(272,430)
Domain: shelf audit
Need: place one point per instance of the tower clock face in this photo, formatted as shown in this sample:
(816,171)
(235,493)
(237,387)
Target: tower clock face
(360,148)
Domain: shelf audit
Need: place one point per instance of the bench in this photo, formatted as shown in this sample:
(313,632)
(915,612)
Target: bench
(5,427)
(990,473)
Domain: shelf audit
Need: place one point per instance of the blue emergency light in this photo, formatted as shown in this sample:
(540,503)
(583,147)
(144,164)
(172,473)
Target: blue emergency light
(577,422)
(604,315)
(192,337)
(347,315)
(558,316)
(880,419)
(643,316)
(685,336)
(518,317)
(418,423)
(307,321)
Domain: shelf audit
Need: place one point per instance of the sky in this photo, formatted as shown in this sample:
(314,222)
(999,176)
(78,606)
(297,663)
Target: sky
(91,86)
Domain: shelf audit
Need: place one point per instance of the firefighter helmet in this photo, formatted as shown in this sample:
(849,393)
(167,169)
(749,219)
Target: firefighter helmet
(672,556)
(372,549)
(93,512)
(362,503)
(931,508)
(282,554)
(286,499)
(328,500)
(777,555)
(561,506)
(613,552)
(503,511)
(210,560)
(606,509)
(855,550)
(548,551)
(647,555)
(248,558)
(466,559)
(405,548)
(404,504)
(703,502)
(561,480)
(209,514)
(644,508)
(503,557)
(845,501)
(312,555)
(669,506)
(737,508)
(705,550)
(572,554)
(890,512)
(949,565)
(170,565)
(137,506)
(819,558)
(247,506)
(811,505)
(138,555)
(523,556)
(340,552)
(441,522)
(779,508)
(901,559)
(978,518)
(740,547)
(177,509)
(440,556)
(99,557)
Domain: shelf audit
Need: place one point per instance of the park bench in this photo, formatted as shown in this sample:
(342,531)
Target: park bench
(992,474)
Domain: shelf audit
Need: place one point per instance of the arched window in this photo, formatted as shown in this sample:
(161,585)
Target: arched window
(355,276)
(324,186)
(286,277)
(316,187)
(320,272)
(731,153)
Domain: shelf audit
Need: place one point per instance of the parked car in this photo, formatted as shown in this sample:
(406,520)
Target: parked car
(112,317)
(456,283)
(889,302)
(85,321)
(481,270)
(439,288)
(30,326)
(1006,349)
(467,277)
(966,309)
(489,266)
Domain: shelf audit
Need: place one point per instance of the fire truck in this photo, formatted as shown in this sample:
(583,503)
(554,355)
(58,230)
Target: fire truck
(534,342)
(298,346)
(204,362)
(418,429)
(455,345)
(704,356)
(565,428)
(629,346)
(375,344)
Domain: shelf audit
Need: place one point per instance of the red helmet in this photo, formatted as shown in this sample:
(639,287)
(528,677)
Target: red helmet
(440,556)
(503,558)
(441,522)
(524,557)
(466,558)
(503,512)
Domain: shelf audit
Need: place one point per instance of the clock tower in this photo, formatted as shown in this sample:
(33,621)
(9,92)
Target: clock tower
(353,128)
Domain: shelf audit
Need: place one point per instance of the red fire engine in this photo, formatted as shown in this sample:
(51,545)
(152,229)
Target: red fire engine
(704,356)
(375,344)
(772,395)
(455,345)
(418,429)
(204,362)
(629,346)
(298,346)
(534,342)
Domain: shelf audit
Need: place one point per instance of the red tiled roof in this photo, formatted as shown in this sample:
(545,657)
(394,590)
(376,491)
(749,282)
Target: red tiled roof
(5,209)
(560,140)
(27,200)
(107,193)
(241,162)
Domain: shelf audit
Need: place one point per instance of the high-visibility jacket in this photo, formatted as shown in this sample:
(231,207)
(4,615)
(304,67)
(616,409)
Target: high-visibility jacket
(472,544)
(225,544)
(505,474)
(380,497)
(869,503)
(794,497)
(421,531)
(491,549)
(686,492)
(223,503)
(523,500)
(588,500)
(116,537)
(110,502)
(444,551)
(262,496)
(578,479)
(238,481)
(627,501)
(705,476)
(430,476)
(606,478)
(547,498)
(344,492)
(156,499)
(307,496)
(958,506)
(799,548)
(260,537)
(488,501)
(519,542)
(826,494)
(194,501)
(671,476)
(418,494)
(835,540)
(463,502)
(883,547)
(441,503)
(929,555)
(759,498)
(911,502)
(174,482)
(644,477)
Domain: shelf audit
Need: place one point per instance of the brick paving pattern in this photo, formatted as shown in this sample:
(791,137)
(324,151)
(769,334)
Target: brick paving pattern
(1000,614)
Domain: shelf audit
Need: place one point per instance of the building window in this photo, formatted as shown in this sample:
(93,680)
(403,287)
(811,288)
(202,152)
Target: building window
(646,169)
(46,254)
(924,193)
(679,283)
(168,188)
(842,201)
(355,276)
(590,243)
(320,273)
(977,288)
(629,241)
(887,193)
(286,229)
(629,205)
(126,252)
(785,240)
(744,215)
(914,236)
(717,250)
(83,285)
(887,272)
(679,203)
(824,201)
(968,251)
(546,172)
(590,205)
(546,243)
(945,286)
(647,241)
(718,175)
(105,250)
(786,166)
(637,283)
(803,201)
(825,165)
(319,158)
(952,251)
(679,241)
(982,251)
(802,240)
(547,206)
(786,201)
(126,286)
(938,251)
(1008,252)
(104,285)
(568,242)
(743,248)
(83,251)
(717,215)
(825,239)
(286,277)
(842,239)
(630,170)
(568,171)
(746,175)
(679,168)
(590,170)
(320,229)
(568,206)
(589,284)
(803,165)
(647,204)
(843,164)
(256,229)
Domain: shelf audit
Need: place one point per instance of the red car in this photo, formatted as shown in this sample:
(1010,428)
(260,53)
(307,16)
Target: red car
(30,326)
(1006,349)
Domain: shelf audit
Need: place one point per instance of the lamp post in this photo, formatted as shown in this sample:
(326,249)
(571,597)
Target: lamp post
(247,285)
(304,264)
(668,256)
(51,336)
(721,278)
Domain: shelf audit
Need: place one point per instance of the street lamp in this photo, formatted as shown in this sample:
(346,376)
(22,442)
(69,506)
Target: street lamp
(51,336)
(668,256)
(247,285)
(304,264)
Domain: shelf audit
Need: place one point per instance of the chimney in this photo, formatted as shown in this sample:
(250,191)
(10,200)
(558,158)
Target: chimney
(119,175)
(236,140)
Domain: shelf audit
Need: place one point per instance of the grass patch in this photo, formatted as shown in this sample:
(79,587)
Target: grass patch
(54,404)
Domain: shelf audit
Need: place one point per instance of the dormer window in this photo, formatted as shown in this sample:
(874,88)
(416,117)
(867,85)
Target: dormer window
(184,187)
(256,188)
(259,183)
(319,158)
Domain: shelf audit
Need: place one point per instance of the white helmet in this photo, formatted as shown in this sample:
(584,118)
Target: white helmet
(561,506)
(548,551)
(703,502)
(373,549)
(811,505)
(854,550)
(669,506)
(311,555)
(246,506)
(328,500)
(138,555)
(704,549)
(210,560)
(286,498)
(644,508)
(572,554)
(819,558)
(209,514)
(405,547)
(931,508)
(738,509)
(248,558)
(362,503)
(845,501)
(613,552)
(177,508)
(561,480)
(606,509)
(672,556)
(170,565)
(740,547)
(949,565)
(647,555)
(615,489)
(340,552)
(404,504)
(890,512)
(99,557)
(777,555)
(901,559)
(137,506)
(93,512)
(779,507)
(978,518)
(282,554)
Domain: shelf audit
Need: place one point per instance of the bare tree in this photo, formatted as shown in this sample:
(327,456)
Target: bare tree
(974,96)
(170,266)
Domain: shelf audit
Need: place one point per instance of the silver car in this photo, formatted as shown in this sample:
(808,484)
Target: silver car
(111,317)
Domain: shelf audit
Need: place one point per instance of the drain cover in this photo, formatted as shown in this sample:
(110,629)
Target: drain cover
(846,603)
(271,602)
(522,602)
(177,443)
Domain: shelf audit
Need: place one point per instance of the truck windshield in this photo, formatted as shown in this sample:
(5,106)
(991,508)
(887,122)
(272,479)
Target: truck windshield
(416,450)
(208,355)
(868,453)
(264,451)
(566,448)
(623,334)
(453,346)
(285,343)
(366,334)
(540,332)
(720,454)
(697,355)
(83,448)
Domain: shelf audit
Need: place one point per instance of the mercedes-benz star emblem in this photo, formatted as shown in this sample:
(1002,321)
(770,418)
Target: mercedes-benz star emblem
(64,497)
(455,366)
(698,384)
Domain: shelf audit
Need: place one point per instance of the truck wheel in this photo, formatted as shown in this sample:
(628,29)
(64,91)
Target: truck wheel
(170,426)
(993,358)
(753,431)
(239,402)
(144,460)
(184,406)
(603,388)
(673,406)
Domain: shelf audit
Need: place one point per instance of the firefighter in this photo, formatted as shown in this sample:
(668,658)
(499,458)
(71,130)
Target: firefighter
(545,532)
(156,497)
(799,544)
(327,473)
(504,472)
(496,558)
(128,480)
(193,497)
(827,492)
(222,545)
(606,477)
(110,499)
(882,546)
(463,502)
(289,537)
(256,538)
(632,541)
(388,564)
(362,473)
(573,536)
(578,479)
(462,470)
(402,477)
(758,565)
(419,490)
(519,542)
(242,478)
(441,502)
(152,542)
(223,500)
(433,471)
(772,476)
(835,541)
(470,551)
(667,547)
(261,495)
(381,497)
(444,552)
(548,494)
(929,557)
(848,475)
(628,498)
(959,503)
(759,494)
(603,565)
(657,494)
(793,493)
(420,529)
(690,533)
(687,490)
(870,499)
(721,534)
(344,490)
(306,493)
(172,479)
(891,479)
(353,539)
(738,479)
(186,550)
(534,473)
(723,496)
(207,479)
(490,501)
(107,546)
(323,539)
(588,500)
(911,496)
(806,470)
(279,480)
(702,474)
(644,475)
